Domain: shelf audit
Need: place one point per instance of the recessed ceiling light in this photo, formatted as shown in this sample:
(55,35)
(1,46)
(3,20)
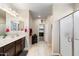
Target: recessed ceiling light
(39,16)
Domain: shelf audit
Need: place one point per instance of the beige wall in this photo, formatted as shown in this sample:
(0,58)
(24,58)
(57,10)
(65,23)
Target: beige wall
(31,25)
(2,20)
(48,29)
(26,26)
(76,6)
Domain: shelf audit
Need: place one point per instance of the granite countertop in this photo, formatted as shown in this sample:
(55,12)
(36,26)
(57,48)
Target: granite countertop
(8,39)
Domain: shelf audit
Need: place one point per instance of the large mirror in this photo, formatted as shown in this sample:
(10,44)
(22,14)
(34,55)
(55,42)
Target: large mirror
(21,26)
(2,22)
(14,26)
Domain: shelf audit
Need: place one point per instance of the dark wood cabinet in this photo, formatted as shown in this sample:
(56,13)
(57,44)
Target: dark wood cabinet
(10,52)
(9,49)
(23,43)
(1,51)
(13,48)
(18,46)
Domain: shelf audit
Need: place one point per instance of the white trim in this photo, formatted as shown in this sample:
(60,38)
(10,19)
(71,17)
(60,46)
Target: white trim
(56,54)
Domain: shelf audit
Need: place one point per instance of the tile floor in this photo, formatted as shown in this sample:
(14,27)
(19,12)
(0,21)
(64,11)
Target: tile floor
(40,49)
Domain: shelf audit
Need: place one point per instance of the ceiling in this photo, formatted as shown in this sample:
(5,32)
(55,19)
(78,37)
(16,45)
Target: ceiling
(2,13)
(40,9)
(36,9)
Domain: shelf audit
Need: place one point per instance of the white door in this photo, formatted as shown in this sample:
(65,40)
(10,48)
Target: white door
(66,26)
(76,33)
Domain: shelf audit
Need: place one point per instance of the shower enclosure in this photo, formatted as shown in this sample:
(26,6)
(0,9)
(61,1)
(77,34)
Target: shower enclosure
(69,34)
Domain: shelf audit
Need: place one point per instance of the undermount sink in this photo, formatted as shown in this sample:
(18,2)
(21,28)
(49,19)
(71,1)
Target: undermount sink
(1,37)
(9,36)
(17,34)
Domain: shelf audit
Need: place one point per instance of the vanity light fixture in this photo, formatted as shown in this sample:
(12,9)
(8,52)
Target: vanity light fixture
(9,10)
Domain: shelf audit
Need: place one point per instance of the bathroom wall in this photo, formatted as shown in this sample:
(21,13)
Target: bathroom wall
(26,26)
(31,23)
(48,29)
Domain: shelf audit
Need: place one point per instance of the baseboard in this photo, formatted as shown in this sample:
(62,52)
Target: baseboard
(56,54)
(26,49)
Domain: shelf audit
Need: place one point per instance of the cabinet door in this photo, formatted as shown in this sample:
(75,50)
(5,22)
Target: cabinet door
(23,43)
(10,52)
(76,33)
(9,49)
(66,26)
(18,46)
(1,51)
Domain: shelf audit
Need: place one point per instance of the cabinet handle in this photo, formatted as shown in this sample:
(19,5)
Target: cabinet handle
(76,39)
(69,39)
(68,36)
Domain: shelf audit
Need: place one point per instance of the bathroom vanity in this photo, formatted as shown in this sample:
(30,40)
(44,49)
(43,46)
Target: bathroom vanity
(11,42)
(12,47)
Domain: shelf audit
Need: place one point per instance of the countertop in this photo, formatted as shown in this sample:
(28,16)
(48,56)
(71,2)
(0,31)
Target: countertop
(8,39)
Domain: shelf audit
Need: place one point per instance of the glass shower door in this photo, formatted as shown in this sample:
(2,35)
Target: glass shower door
(66,27)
